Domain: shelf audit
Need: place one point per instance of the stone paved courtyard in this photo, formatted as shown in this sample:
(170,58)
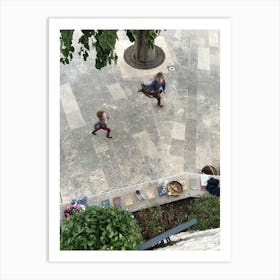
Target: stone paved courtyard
(148,142)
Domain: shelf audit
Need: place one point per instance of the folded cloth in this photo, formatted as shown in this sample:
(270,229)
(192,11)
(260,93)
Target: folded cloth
(213,186)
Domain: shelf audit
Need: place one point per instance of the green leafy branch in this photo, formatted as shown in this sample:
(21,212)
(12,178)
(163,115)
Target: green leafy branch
(66,47)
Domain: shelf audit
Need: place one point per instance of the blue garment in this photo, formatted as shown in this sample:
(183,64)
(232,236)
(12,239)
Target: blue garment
(101,123)
(155,85)
(213,186)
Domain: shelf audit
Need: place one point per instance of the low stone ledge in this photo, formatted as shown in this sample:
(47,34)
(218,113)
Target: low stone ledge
(152,196)
(195,241)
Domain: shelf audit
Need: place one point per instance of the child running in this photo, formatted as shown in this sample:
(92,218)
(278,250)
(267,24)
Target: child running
(102,123)
(154,89)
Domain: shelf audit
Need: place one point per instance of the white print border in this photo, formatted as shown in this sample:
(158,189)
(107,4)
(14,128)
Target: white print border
(221,24)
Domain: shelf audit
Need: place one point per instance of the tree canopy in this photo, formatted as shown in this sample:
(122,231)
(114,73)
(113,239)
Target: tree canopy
(103,41)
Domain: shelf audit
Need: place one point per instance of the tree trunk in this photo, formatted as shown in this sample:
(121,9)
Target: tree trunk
(143,53)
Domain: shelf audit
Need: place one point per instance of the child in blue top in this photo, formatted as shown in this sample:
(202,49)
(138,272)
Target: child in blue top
(154,88)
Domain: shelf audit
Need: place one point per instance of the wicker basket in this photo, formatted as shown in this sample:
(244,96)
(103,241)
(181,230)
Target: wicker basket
(175,188)
(209,169)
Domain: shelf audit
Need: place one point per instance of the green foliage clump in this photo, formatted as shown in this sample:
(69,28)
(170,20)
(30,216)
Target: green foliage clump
(96,228)
(102,40)
(151,222)
(206,209)
(105,46)
(158,219)
(150,36)
(66,48)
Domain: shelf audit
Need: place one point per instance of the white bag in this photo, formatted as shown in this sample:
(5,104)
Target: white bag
(204,179)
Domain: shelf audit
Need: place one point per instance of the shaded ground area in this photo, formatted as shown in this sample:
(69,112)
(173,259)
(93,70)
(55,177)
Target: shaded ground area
(148,142)
(159,219)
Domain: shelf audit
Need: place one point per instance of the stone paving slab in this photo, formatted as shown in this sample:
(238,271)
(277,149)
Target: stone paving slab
(214,38)
(116,91)
(145,144)
(178,131)
(203,59)
(70,107)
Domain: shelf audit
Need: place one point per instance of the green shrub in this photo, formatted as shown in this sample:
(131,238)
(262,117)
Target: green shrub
(151,222)
(206,209)
(158,219)
(96,228)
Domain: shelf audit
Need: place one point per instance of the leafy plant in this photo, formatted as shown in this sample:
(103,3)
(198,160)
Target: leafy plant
(158,219)
(66,48)
(96,228)
(206,209)
(150,36)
